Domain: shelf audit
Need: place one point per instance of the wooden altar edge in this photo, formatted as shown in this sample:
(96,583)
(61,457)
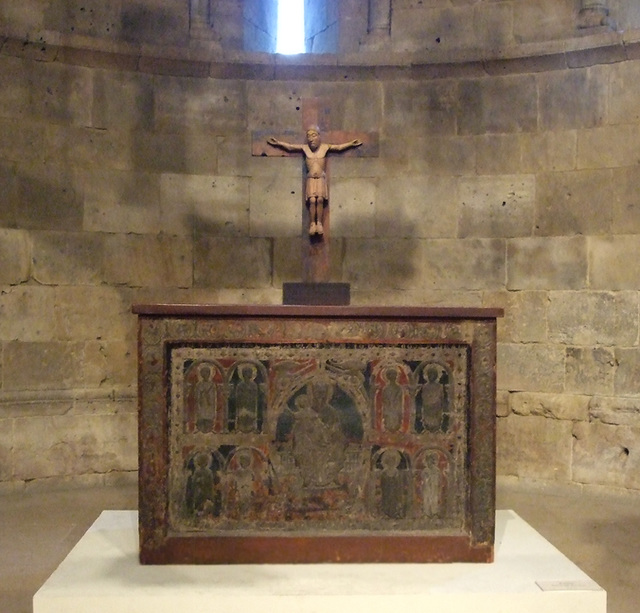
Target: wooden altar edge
(317,549)
(329,312)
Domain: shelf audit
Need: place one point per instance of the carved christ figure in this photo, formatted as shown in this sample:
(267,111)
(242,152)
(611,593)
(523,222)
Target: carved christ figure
(316,191)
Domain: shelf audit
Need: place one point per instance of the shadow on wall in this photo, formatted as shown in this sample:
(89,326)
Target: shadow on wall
(143,24)
(223,259)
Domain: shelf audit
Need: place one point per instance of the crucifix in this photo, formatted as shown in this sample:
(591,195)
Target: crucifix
(321,143)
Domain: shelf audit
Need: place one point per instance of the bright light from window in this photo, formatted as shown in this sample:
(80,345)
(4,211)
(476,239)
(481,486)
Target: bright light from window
(290,27)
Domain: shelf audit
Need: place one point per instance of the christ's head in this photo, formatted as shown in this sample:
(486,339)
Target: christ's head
(313,138)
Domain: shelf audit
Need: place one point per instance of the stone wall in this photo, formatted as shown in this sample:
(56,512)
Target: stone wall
(127,177)
(438,29)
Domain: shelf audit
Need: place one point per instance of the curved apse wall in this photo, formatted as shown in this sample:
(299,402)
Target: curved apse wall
(504,179)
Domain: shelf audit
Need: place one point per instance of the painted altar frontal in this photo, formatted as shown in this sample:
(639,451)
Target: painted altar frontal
(333,430)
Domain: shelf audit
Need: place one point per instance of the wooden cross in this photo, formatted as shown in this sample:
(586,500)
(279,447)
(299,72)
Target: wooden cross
(316,112)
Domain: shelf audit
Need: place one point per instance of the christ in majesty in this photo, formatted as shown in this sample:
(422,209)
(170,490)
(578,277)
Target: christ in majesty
(316,191)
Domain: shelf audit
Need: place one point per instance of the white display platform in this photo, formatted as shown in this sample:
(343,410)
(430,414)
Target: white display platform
(102,575)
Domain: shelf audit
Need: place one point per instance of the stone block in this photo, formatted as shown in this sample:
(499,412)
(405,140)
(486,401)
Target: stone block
(397,154)
(420,108)
(118,201)
(534,447)
(353,207)
(525,315)
(548,151)
(609,147)
(42,365)
(626,201)
(609,258)
(15,255)
(83,313)
(209,104)
(263,295)
(9,201)
(110,364)
(531,367)
(190,152)
(357,168)
(502,404)
(445,29)
(48,198)
(27,313)
(572,98)
(105,402)
(543,20)
(199,154)
(122,100)
(22,141)
(606,455)
(159,22)
(417,206)
(495,207)
(605,54)
(88,148)
(15,91)
(279,105)
(457,264)
(217,205)
(527,59)
(92,18)
(629,14)
(440,155)
(493,25)
(624,100)
(505,104)
(172,66)
(67,258)
(275,206)
(32,403)
(232,263)
(121,479)
(148,260)
(105,57)
(498,154)
(590,370)
(6,449)
(383,263)
(416,297)
(357,106)
(59,93)
(570,203)
(554,406)
(276,106)
(74,445)
(615,410)
(593,318)
(547,263)
(287,259)
(27,16)
(627,377)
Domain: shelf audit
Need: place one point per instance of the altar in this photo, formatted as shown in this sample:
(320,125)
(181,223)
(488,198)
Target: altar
(304,434)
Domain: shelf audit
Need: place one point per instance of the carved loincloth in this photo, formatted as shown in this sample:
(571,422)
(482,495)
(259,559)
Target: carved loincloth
(317,186)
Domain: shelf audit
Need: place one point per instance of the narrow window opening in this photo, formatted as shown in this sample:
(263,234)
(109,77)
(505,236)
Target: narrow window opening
(290,34)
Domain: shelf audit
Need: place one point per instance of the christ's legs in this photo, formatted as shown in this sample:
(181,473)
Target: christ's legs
(320,215)
(312,201)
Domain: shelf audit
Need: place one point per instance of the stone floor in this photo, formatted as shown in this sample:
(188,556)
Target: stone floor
(599,531)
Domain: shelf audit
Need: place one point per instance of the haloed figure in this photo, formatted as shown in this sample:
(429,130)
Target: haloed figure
(316,191)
